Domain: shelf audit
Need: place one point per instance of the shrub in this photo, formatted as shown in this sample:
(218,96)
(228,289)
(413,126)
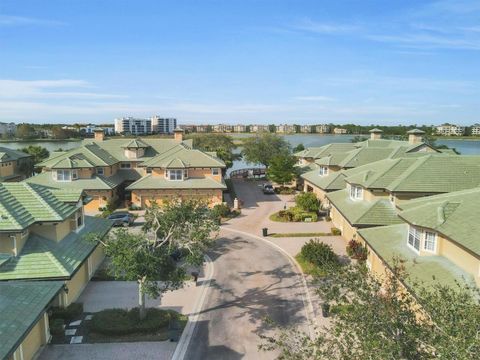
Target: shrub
(356,250)
(319,254)
(69,313)
(56,327)
(221,210)
(307,201)
(124,322)
(335,231)
(134,207)
(283,190)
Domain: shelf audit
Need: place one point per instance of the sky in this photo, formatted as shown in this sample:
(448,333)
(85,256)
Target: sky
(241,61)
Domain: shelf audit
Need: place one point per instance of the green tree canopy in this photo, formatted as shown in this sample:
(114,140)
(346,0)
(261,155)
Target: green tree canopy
(298,148)
(377,319)
(282,169)
(38,153)
(222,144)
(178,227)
(307,201)
(262,148)
(25,132)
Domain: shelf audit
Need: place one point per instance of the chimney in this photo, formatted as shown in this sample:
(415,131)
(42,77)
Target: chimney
(375,134)
(98,134)
(178,134)
(415,136)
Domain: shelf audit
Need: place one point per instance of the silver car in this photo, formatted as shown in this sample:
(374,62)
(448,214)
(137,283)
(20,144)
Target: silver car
(122,219)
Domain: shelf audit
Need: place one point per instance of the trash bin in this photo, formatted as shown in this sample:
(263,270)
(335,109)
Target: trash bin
(265,231)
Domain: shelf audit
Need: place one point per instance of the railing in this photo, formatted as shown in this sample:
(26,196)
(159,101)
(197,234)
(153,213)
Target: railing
(248,173)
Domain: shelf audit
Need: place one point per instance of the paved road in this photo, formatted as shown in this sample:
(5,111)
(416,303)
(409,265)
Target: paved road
(252,282)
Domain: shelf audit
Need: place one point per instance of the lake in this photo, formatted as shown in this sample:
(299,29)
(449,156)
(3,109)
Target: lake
(465,147)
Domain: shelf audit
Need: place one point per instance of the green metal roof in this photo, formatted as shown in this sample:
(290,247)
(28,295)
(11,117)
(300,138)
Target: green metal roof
(416,132)
(150,182)
(7,154)
(390,242)
(136,143)
(183,158)
(363,212)
(22,205)
(375,130)
(455,215)
(41,258)
(22,303)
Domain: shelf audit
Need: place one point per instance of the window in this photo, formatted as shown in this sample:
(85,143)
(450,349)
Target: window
(100,171)
(175,174)
(356,192)
(74,174)
(430,243)
(149,170)
(323,171)
(414,236)
(64,175)
(125,166)
(215,171)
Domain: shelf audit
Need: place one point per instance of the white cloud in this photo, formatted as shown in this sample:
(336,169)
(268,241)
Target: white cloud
(12,20)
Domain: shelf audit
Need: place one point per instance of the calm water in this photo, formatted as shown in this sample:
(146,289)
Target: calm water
(465,147)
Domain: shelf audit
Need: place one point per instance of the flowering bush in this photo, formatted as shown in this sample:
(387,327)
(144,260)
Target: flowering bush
(356,250)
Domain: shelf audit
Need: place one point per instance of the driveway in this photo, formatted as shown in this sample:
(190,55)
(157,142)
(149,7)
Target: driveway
(252,282)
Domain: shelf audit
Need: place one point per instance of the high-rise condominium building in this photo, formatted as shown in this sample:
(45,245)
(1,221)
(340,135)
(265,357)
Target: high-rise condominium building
(450,130)
(130,125)
(162,125)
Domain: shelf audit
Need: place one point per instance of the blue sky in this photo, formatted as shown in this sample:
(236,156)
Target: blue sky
(241,61)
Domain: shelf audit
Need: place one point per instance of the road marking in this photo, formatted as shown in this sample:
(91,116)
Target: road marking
(187,333)
(308,305)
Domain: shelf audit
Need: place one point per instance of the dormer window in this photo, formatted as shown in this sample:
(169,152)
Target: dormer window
(323,171)
(430,241)
(175,175)
(100,171)
(65,175)
(356,192)
(215,171)
(414,238)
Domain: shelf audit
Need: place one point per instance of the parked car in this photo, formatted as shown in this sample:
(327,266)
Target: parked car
(122,219)
(268,189)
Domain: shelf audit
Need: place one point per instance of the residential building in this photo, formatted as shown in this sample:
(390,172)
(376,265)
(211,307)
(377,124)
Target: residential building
(259,128)
(239,128)
(450,130)
(136,171)
(203,128)
(374,190)
(339,131)
(222,128)
(24,325)
(89,130)
(306,129)
(476,129)
(437,239)
(14,165)
(161,125)
(7,129)
(285,129)
(134,126)
(188,128)
(322,129)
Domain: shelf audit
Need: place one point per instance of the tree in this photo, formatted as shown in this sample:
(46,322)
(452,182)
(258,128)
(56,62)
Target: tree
(59,133)
(179,227)
(38,153)
(25,132)
(299,147)
(376,318)
(262,148)
(282,169)
(223,145)
(307,201)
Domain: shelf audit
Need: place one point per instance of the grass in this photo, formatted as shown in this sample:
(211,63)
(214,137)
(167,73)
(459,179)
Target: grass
(278,218)
(308,268)
(302,234)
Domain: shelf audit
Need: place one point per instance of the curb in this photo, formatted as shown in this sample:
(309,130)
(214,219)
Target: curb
(189,329)
(308,305)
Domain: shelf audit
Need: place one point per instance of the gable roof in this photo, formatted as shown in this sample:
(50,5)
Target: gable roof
(23,204)
(136,143)
(150,182)
(42,258)
(7,154)
(22,303)
(183,158)
(455,215)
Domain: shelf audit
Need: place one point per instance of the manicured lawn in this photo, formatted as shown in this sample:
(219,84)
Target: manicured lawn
(308,268)
(303,234)
(276,217)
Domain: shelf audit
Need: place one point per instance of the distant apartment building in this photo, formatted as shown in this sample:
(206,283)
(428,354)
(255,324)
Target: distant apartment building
(259,128)
(284,129)
(239,128)
(339,131)
(161,125)
(222,128)
(89,130)
(322,129)
(306,129)
(476,129)
(450,130)
(202,128)
(134,126)
(188,128)
(7,129)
